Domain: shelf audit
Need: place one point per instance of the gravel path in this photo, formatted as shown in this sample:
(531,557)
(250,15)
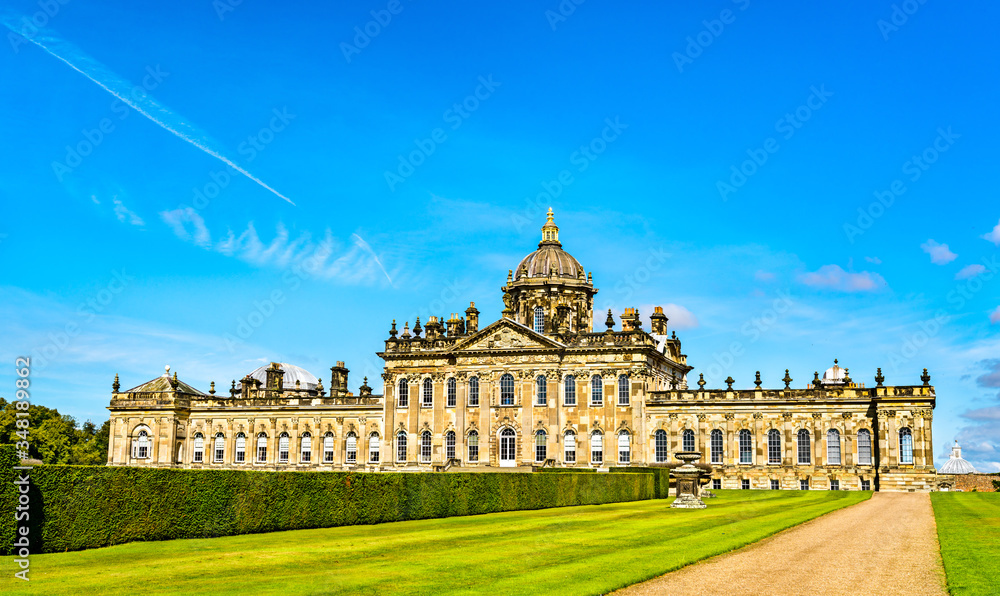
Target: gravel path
(886,545)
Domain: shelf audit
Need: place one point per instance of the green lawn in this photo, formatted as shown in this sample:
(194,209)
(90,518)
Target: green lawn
(571,550)
(968,526)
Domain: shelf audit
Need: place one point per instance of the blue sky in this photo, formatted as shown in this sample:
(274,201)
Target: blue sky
(794,185)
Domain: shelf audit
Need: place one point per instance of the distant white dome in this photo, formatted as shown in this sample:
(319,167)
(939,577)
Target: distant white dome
(834,374)
(292,373)
(957,465)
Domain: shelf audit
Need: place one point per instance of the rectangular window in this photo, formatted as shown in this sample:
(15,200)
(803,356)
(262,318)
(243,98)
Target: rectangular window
(241,449)
(596,448)
(866,484)
(569,398)
(452,393)
(716,446)
(803,485)
(473,447)
(745,484)
(775,485)
(541,386)
(373,448)
(540,447)
(219,453)
(570,445)
(834,485)
(198,456)
(352,449)
(474,391)
(716,484)
(746,447)
(864,448)
(539,320)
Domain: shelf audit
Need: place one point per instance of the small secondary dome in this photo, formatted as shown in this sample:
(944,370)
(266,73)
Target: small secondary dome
(549,258)
(292,373)
(834,374)
(957,465)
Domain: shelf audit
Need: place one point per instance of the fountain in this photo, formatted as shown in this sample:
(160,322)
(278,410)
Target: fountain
(687,478)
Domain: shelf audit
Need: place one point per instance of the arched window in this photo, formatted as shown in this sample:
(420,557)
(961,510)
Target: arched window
(623,391)
(596,390)
(624,449)
(540,387)
(569,398)
(716,445)
(803,444)
(569,446)
(540,444)
(905,446)
(864,447)
(283,442)
(507,390)
(833,447)
(746,447)
(199,448)
(220,447)
(425,446)
(452,393)
(428,393)
(687,439)
(142,445)
(774,446)
(328,448)
(473,442)
(539,319)
(474,391)
(305,453)
(241,448)
(404,393)
(352,448)
(449,444)
(401,446)
(596,447)
(661,445)
(373,447)
(261,448)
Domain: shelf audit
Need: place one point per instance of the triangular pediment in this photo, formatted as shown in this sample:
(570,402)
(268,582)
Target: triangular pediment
(507,335)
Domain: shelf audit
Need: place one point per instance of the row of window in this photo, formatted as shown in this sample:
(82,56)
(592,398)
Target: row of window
(774,455)
(140,447)
(507,391)
(803,484)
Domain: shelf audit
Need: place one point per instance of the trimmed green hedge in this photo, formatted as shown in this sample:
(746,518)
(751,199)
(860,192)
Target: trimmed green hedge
(661,478)
(996,485)
(8,497)
(566,470)
(80,507)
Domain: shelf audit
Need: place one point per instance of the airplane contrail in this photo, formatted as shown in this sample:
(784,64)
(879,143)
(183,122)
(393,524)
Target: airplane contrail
(359,241)
(115,85)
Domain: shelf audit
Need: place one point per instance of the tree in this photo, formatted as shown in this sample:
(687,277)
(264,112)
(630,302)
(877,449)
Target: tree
(55,438)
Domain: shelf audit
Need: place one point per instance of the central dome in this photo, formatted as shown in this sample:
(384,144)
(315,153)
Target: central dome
(549,258)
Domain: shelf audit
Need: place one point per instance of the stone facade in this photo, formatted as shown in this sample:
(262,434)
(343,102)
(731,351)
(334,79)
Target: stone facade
(539,387)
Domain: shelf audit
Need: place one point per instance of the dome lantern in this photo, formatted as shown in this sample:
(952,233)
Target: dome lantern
(550,231)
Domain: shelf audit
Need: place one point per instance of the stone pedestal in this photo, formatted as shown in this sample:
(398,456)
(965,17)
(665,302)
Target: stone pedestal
(687,478)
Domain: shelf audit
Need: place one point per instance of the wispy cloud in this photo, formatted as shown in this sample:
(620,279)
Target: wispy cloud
(993,236)
(874,260)
(995,316)
(970,271)
(126,215)
(940,254)
(833,277)
(762,275)
(323,259)
(144,103)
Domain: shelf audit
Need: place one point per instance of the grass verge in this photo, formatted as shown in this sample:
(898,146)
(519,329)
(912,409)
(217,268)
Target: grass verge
(572,550)
(968,526)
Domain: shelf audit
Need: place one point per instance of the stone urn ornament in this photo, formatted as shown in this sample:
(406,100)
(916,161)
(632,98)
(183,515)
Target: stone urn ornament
(686,478)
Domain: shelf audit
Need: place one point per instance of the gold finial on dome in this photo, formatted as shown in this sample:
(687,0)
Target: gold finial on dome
(550,231)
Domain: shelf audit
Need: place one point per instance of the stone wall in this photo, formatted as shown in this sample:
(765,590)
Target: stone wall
(980,482)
